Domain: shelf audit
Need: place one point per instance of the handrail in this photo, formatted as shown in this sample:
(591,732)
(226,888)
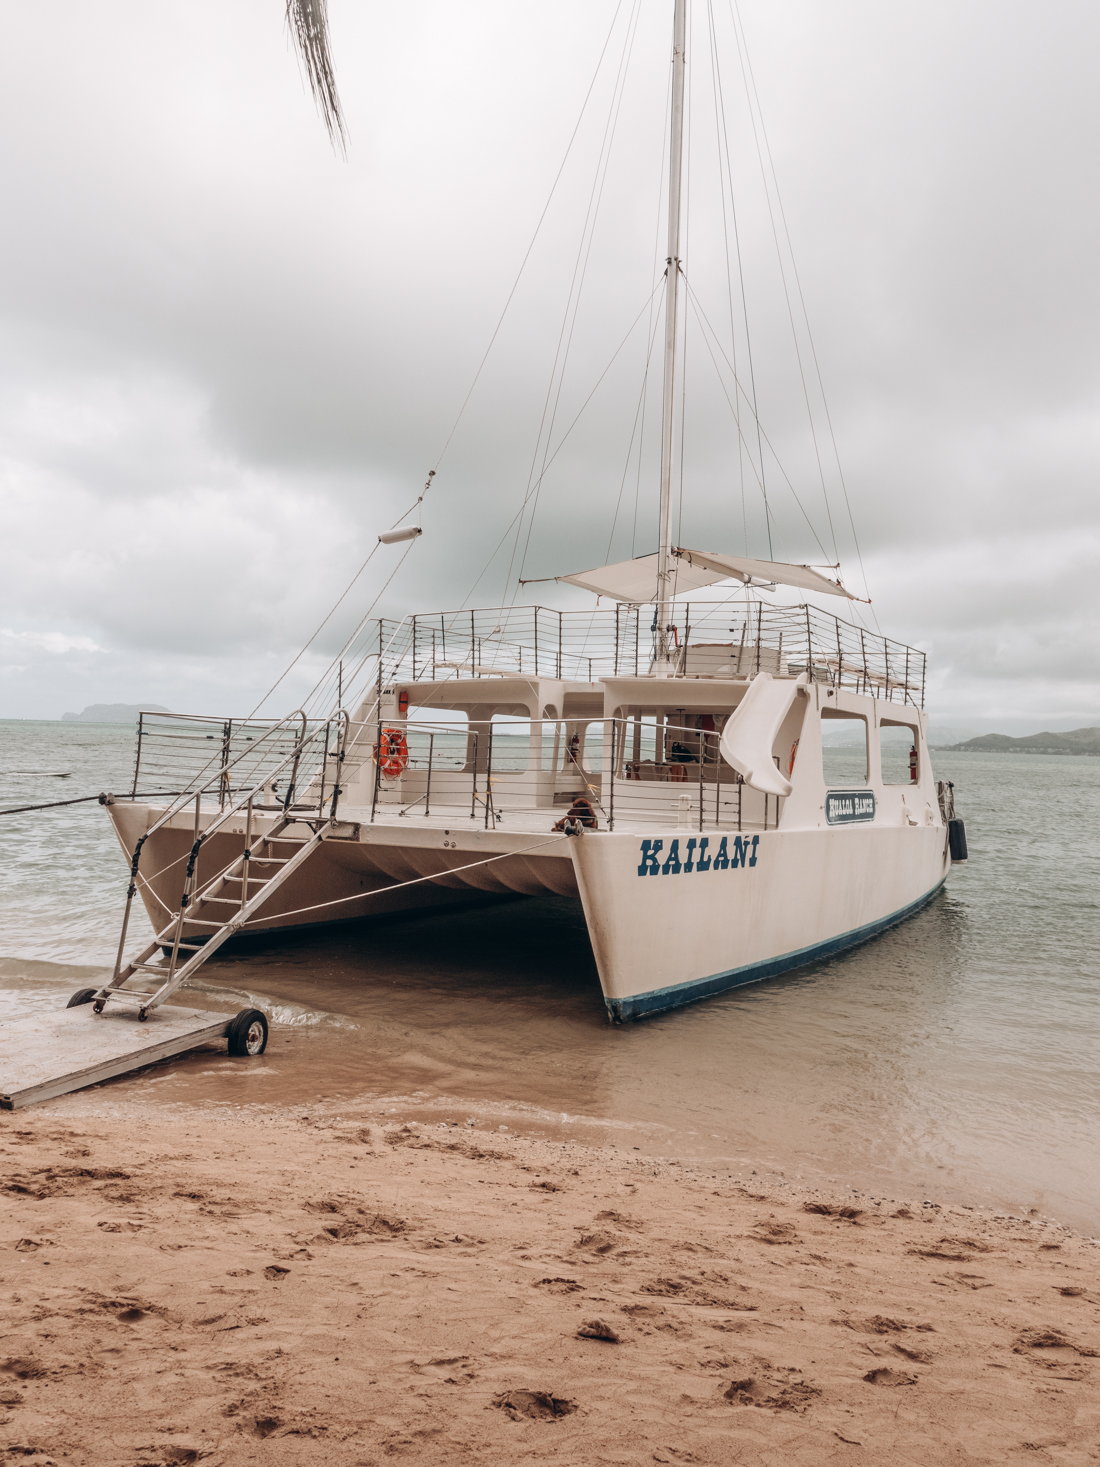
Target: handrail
(229,810)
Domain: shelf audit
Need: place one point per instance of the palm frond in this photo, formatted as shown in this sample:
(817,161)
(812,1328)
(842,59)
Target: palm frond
(308,21)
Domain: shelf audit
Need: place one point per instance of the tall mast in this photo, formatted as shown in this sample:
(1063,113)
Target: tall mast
(672,324)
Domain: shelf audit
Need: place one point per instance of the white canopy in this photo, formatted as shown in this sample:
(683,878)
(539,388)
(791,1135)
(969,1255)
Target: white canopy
(636,580)
(777,571)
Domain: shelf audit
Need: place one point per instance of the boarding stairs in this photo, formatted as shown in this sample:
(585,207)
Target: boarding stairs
(228,901)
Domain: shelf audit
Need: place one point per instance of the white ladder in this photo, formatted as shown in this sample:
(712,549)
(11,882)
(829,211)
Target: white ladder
(239,887)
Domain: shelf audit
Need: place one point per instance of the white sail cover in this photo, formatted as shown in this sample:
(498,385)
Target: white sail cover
(636,580)
(777,571)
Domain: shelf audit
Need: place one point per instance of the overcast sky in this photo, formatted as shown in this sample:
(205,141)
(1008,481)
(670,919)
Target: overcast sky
(230,356)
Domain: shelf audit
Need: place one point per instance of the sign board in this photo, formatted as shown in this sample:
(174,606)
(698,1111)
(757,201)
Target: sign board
(843,807)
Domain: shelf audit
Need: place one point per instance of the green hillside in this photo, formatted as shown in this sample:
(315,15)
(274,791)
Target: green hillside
(1079,741)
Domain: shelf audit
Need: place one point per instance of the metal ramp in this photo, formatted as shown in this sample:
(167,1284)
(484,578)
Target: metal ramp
(53,1054)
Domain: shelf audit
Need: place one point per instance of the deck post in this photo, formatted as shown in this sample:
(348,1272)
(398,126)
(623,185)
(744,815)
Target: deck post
(137,753)
(702,761)
(611,775)
(489,778)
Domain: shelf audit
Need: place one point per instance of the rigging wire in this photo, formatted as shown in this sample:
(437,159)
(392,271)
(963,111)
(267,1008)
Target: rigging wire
(638,414)
(702,317)
(751,79)
(654,275)
(786,288)
(744,306)
(311,698)
(415,504)
(534,237)
(719,138)
(561,443)
(573,300)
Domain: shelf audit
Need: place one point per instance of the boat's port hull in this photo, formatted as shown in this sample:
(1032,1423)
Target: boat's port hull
(367,875)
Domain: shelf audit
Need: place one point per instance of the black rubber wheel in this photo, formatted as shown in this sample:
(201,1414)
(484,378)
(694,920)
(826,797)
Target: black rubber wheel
(82,995)
(248,1033)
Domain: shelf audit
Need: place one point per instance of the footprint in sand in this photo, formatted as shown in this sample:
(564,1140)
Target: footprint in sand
(597,1329)
(533,1405)
(886,1376)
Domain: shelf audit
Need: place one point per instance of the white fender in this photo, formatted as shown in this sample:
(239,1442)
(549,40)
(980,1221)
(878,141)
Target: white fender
(750,732)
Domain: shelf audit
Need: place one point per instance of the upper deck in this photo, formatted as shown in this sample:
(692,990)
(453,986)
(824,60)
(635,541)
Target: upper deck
(710,640)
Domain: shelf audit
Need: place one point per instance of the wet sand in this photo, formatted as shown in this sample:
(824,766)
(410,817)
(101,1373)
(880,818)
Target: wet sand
(192,1284)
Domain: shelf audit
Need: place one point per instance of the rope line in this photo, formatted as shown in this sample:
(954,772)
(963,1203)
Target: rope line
(534,237)
(83,800)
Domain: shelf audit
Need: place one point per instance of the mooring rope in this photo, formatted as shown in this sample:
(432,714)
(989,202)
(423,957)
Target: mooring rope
(83,800)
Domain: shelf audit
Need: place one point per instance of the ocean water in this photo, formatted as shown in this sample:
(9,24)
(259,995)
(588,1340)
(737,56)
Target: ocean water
(952,1058)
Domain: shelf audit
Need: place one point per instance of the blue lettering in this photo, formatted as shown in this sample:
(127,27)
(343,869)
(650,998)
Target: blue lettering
(649,866)
(755,843)
(722,860)
(740,852)
(690,857)
(702,865)
(672,861)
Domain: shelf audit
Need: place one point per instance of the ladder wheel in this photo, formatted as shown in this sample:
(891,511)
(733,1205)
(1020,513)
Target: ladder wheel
(82,995)
(248,1033)
(97,1007)
(142,1015)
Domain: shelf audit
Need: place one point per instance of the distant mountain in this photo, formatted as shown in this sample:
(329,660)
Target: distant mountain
(1079,741)
(112,713)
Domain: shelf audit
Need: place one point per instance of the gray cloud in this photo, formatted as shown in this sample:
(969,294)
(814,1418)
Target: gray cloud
(230,358)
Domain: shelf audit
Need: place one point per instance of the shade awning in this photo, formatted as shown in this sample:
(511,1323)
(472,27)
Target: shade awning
(777,572)
(636,580)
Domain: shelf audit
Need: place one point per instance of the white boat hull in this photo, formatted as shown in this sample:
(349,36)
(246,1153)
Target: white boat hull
(673,917)
(664,937)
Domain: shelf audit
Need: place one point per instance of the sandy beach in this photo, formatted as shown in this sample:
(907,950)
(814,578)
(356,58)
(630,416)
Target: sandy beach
(197,1285)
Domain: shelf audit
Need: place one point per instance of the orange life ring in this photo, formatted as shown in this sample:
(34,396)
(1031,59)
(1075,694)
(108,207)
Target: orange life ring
(394,756)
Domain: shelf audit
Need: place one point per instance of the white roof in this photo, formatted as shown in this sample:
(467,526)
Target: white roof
(635,581)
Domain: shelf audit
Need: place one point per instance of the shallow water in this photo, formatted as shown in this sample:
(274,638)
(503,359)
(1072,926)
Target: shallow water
(953,1057)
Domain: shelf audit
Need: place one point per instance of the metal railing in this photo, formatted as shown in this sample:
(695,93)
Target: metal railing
(243,781)
(709,639)
(219,757)
(630,772)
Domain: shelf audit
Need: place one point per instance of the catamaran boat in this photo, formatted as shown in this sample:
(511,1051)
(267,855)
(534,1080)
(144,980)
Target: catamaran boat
(663,759)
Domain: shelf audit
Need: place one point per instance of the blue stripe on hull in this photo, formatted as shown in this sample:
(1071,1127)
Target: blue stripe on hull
(658,999)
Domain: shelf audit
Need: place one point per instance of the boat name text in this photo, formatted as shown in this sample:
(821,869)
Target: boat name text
(697,856)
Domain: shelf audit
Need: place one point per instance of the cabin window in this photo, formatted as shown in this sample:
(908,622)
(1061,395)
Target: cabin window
(670,745)
(511,747)
(843,749)
(437,735)
(900,752)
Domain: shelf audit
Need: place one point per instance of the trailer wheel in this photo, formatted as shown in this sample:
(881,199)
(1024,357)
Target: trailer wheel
(248,1033)
(82,995)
